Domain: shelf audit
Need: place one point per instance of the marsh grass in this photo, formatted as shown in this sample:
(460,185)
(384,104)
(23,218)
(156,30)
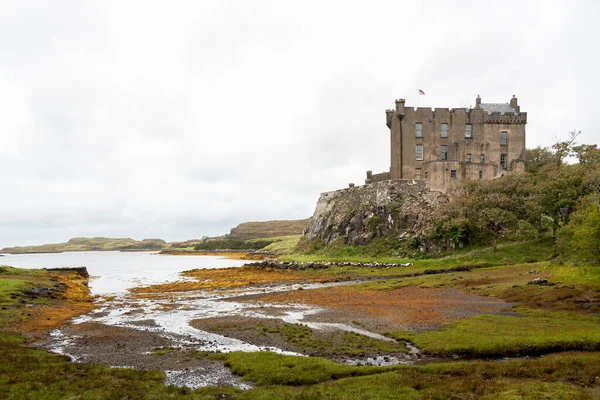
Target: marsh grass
(532,332)
(507,254)
(266,368)
(36,374)
(564,376)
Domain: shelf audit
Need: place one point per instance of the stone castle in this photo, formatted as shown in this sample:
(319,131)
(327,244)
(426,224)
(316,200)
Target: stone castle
(444,145)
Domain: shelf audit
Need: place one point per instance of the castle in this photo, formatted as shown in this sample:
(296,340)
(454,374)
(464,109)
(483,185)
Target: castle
(444,145)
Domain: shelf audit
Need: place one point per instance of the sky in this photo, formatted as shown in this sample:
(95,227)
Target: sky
(181,119)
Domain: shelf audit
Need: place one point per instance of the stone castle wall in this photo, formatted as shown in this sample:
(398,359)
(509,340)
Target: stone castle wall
(474,157)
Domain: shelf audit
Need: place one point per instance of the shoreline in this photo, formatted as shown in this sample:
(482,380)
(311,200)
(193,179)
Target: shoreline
(233,254)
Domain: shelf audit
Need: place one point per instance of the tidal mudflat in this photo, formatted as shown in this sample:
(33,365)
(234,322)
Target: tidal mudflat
(176,317)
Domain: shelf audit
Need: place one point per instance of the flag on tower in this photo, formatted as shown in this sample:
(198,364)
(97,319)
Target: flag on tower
(421,92)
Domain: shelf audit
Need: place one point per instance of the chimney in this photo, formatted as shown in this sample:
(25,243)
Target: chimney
(478,102)
(514,104)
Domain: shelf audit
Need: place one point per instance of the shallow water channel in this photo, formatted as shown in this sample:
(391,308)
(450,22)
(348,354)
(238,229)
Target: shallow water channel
(168,316)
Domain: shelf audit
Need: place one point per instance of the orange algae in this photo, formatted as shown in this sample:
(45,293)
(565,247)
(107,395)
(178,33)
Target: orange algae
(74,300)
(405,306)
(228,278)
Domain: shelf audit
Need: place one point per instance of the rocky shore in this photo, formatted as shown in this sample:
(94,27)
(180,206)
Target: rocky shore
(293,265)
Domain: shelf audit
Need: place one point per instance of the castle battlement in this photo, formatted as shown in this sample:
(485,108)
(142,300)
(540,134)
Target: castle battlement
(442,145)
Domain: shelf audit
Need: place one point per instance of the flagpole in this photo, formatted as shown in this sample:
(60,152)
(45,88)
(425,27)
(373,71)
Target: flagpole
(418,94)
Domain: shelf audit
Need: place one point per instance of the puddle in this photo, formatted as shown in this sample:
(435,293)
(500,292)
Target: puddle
(202,377)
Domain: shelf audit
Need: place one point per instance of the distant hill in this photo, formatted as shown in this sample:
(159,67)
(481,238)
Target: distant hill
(92,244)
(266,229)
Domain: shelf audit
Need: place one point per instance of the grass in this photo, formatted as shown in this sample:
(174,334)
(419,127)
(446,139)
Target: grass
(564,376)
(35,374)
(13,283)
(283,245)
(268,229)
(532,332)
(506,254)
(266,368)
(162,351)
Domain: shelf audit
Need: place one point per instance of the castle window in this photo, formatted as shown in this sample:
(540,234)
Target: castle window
(444,152)
(469,157)
(419,151)
(453,173)
(469,131)
(482,158)
(419,129)
(444,130)
(503,160)
(504,138)
(426,175)
(480,174)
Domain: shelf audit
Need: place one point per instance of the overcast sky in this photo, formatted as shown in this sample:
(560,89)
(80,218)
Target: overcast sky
(184,118)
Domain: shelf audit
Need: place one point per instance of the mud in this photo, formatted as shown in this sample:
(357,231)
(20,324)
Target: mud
(411,308)
(335,343)
(133,348)
(254,309)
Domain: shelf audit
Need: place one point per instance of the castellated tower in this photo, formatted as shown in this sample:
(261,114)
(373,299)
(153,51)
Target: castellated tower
(444,145)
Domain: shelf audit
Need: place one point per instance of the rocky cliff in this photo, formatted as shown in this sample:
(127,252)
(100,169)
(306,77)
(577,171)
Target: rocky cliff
(401,210)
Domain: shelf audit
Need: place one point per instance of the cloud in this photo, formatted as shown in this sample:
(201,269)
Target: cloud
(148,119)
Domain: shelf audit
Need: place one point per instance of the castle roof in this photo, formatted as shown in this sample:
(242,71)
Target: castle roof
(497,107)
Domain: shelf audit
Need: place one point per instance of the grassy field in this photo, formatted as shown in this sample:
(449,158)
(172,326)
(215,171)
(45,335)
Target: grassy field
(528,333)
(521,252)
(283,244)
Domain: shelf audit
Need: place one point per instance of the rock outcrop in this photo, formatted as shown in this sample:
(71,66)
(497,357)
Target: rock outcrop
(398,209)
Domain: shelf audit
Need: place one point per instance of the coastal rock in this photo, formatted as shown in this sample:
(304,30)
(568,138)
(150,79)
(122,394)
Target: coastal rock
(399,209)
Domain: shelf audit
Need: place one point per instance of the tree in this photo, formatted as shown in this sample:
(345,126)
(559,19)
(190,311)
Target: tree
(587,154)
(558,190)
(497,222)
(537,158)
(486,210)
(580,239)
(564,148)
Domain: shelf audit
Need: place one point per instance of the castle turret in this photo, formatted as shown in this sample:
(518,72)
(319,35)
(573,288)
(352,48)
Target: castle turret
(400,108)
(388,117)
